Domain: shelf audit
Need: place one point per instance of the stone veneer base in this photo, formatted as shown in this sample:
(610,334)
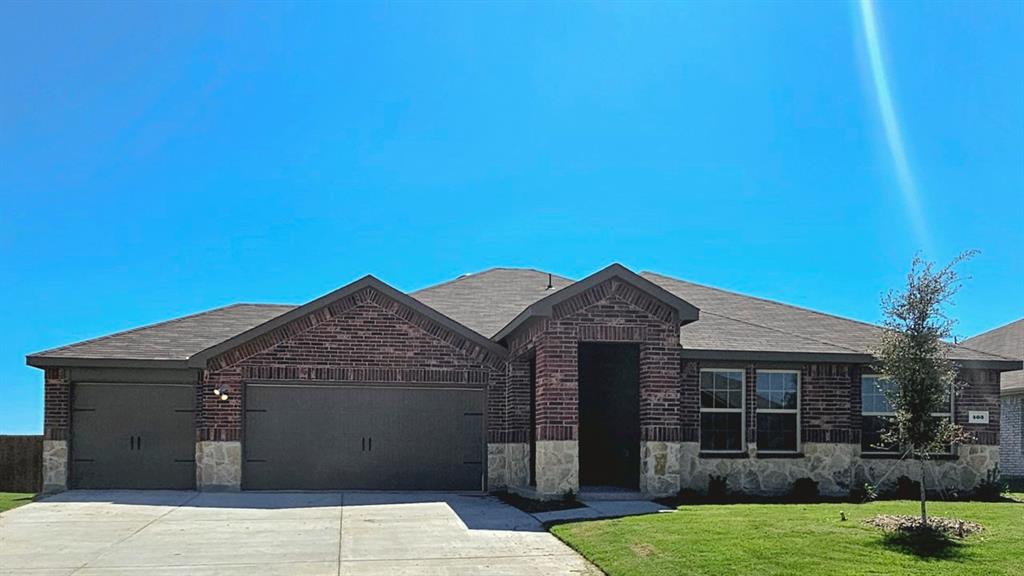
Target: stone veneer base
(219,466)
(55,465)
(558,464)
(837,468)
(508,465)
(659,468)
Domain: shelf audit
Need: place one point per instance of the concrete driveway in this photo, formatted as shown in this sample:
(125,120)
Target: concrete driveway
(88,533)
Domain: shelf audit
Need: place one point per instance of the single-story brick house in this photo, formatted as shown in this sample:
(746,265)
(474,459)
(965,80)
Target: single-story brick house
(509,378)
(1008,341)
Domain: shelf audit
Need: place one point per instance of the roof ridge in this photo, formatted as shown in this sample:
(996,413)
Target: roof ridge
(136,329)
(464,275)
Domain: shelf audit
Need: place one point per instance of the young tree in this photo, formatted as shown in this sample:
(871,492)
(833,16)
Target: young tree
(912,357)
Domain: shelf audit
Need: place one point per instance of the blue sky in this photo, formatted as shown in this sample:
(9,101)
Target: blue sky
(159,160)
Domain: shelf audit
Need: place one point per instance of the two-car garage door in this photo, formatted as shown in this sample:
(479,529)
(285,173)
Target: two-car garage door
(374,437)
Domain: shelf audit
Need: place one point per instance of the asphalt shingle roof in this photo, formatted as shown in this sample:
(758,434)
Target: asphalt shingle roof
(485,302)
(489,300)
(175,339)
(1006,341)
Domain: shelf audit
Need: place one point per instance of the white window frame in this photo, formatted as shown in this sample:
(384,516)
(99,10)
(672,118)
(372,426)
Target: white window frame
(742,410)
(797,410)
(951,415)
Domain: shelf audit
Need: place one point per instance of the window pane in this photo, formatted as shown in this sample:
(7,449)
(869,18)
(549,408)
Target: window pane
(871,395)
(721,431)
(871,433)
(776,432)
(721,389)
(777,390)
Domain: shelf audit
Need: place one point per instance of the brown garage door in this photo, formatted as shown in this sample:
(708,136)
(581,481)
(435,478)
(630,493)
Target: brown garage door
(137,436)
(371,437)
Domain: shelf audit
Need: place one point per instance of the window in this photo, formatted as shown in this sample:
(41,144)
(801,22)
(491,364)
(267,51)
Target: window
(778,411)
(877,414)
(721,410)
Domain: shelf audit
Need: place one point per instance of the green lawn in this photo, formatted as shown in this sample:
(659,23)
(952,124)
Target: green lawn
(10,500)
(789,539)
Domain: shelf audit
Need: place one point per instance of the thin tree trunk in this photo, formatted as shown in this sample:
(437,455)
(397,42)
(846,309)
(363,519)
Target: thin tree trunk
(924,505)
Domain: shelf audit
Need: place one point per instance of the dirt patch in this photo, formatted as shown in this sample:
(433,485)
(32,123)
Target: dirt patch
(643,550)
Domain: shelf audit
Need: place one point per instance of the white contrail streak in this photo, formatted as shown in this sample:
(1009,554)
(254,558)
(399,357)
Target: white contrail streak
(893,135)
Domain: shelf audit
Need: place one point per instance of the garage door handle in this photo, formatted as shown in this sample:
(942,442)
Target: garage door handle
(369,444)
(133,442)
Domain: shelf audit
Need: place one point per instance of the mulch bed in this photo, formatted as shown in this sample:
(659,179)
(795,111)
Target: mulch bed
(912,524)
(533,506)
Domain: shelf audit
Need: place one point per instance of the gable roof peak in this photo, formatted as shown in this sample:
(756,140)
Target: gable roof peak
(543,307)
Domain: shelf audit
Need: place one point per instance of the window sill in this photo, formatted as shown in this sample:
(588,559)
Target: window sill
(764,455)
(723,455)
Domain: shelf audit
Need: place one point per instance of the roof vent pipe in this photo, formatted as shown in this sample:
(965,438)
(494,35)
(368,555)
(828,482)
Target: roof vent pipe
(549,282)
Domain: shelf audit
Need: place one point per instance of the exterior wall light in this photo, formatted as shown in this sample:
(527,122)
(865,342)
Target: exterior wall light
(220,393)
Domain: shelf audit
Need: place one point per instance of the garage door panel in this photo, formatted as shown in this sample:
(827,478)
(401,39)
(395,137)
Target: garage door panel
(293,438)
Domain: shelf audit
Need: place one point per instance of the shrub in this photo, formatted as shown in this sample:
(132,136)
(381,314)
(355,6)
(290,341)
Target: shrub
(805,490)
(991,488)
(907,489)
(864,493)
(718,486)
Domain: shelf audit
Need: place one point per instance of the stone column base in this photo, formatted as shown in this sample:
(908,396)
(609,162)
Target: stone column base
(558,465)
(219,466)
(659,468)
(55,465)
(508,465)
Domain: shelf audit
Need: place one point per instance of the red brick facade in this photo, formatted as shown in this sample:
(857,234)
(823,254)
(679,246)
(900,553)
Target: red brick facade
(57,400)
(365,337)
(612,311)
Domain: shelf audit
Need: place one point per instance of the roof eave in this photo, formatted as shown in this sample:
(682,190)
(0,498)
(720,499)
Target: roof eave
(69,362)
(852,357)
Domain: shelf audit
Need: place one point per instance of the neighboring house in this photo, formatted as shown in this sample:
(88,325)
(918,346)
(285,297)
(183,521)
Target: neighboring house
(1008,341)
(509,378)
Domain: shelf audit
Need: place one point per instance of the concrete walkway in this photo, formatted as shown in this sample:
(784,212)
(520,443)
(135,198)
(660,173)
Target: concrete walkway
(157,533)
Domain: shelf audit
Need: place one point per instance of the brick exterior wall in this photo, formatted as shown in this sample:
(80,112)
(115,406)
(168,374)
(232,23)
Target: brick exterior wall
(830,403)
(366,337)
(612,311)
(1011,444)
(57,404)
(981,393)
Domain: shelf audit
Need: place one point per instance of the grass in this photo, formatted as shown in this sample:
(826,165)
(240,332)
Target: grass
(791,539)
(9,500)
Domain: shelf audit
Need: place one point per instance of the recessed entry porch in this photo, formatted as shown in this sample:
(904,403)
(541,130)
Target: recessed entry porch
(609,415)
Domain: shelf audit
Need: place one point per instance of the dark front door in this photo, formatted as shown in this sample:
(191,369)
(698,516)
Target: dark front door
(135,436)
(370,437)
(609,411)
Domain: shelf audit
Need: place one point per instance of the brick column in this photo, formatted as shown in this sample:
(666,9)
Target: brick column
(557,413)
(56,429)
(219,431)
